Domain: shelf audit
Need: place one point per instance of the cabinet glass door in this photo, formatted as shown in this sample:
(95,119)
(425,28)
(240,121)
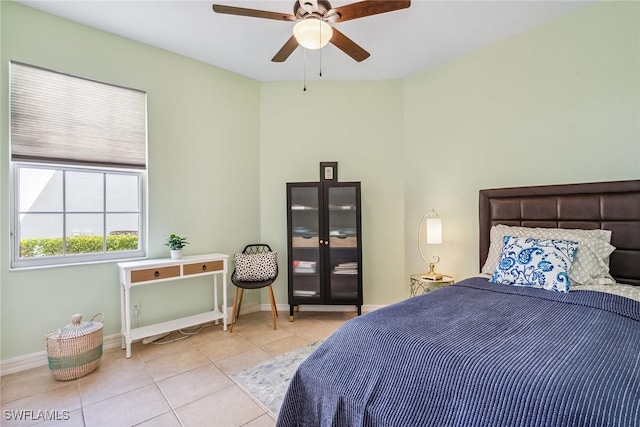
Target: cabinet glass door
(305,242)
(343,242)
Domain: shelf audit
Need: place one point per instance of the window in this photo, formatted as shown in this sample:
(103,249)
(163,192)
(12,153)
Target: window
(78,158)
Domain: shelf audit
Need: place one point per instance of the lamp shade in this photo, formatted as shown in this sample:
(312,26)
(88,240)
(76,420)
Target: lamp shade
(312,33)
(434,231)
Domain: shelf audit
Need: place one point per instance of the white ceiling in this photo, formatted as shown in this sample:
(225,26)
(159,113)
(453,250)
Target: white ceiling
(401,43)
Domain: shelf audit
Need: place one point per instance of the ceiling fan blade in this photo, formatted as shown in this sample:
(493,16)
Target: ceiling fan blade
(254,13)
(368,8)
(348,46)
(286,50)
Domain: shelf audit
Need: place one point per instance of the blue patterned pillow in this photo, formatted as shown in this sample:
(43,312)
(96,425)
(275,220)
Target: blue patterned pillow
(539,263)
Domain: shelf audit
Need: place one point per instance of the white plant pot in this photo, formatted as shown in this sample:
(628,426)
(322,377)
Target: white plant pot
(176,253)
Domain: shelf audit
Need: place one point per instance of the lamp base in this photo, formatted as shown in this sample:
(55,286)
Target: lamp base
(432,276)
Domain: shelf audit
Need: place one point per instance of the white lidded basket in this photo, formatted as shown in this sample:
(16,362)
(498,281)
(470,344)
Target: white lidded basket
(75,350)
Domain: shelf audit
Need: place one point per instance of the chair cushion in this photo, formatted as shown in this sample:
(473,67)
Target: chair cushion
(256,267)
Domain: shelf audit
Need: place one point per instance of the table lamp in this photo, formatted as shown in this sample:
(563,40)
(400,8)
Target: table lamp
(434,237)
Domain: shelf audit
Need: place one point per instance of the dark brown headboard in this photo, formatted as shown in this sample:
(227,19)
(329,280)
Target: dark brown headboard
(611,206)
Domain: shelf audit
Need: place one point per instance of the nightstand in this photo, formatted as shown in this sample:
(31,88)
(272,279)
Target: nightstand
(420,285)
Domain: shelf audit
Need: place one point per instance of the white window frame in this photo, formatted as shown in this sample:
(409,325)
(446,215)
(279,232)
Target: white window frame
(18,262)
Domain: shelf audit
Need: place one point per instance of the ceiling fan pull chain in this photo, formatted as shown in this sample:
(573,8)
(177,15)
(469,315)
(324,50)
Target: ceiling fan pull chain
(320,62)
(320,43)
(304,68)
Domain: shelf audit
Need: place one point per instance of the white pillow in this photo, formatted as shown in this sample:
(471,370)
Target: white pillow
(590,265)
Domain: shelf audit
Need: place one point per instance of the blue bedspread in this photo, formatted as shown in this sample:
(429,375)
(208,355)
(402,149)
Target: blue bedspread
(477,354)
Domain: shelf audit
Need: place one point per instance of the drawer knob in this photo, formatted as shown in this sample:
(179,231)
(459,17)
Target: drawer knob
(204,267)
(156,274)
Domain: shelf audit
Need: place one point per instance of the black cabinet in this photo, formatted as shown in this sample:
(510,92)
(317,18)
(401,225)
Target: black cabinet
(324,244)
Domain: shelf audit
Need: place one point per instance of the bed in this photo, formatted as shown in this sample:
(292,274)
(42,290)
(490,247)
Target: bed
(480,353)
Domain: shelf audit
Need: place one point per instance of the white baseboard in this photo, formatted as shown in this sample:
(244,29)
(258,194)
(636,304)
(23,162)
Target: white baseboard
(40,358)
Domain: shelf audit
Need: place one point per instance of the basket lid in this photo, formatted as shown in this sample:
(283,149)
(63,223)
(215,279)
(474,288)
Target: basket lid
(78,328)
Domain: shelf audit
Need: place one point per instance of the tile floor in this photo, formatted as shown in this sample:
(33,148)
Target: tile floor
(184,383)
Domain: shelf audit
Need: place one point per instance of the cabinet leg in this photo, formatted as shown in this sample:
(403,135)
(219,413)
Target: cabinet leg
(359,310)
(291,309)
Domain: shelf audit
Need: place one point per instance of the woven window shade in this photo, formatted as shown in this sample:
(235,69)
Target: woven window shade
(58,118)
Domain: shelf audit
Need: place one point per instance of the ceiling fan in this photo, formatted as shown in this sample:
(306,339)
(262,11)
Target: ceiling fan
(312,17)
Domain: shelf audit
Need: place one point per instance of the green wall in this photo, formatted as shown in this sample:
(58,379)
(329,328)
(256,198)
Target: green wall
(203,182)
(358,125)
(557,104)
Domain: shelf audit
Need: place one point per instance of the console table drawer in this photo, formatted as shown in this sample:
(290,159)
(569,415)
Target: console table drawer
(155,273)
(202,267)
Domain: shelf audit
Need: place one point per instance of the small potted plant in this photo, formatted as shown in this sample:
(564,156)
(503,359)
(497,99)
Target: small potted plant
(176,243)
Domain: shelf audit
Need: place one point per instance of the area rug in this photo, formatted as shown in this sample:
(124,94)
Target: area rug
(268,381)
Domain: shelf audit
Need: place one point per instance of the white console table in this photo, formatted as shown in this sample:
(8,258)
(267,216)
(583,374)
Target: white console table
(138,273)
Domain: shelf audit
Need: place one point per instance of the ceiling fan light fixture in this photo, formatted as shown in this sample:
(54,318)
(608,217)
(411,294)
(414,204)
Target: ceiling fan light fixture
(312,33)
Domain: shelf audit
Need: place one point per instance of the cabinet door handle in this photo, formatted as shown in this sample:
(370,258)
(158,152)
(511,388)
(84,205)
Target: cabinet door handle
(204,267)
(321,241)
(156,274)
(326,242)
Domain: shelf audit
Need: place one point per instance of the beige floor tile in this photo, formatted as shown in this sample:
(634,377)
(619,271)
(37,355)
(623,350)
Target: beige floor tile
(148,352)
(32,381)
(318,333)
(264,334)
(230,407)
(193,385)
(255,317)
(228,346)
(117,367)
(209,334)
(114,360)
(168,419)
(31,409)
(71,419)
(176,363)
(104,385)
(264,421)
(298,325)
(127,409)
(238,362)
(248,321)
(33,373)
(244,325)
(284,345)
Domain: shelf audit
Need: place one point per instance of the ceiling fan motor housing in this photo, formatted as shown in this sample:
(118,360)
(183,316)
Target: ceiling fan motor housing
(318,8)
